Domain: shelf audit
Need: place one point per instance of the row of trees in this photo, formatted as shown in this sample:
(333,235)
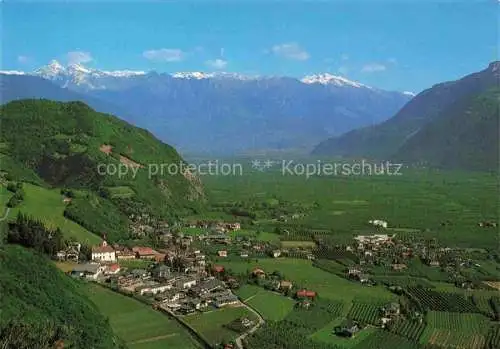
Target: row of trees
(32,233)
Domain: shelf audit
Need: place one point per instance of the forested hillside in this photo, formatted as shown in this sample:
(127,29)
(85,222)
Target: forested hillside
(465,136)
(44,309)
(441,126)
(69,145)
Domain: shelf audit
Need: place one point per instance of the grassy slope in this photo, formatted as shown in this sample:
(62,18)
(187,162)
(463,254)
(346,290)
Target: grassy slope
(47,205)
(61,142)
(35,292)
(137,324)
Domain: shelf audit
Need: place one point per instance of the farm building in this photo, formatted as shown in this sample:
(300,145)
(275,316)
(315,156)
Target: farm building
(144,252)
(349,328)
(305,294)
(257,272)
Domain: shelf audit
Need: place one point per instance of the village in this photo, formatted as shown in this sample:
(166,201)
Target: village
(188,276)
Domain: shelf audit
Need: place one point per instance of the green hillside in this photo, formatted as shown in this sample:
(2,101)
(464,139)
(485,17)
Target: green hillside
(466,136)
(47,206)
(69,145)
(40,306)
(442,126)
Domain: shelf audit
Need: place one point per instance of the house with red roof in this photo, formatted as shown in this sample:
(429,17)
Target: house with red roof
(306,294)
(112,269)
(218,268)
(145,252)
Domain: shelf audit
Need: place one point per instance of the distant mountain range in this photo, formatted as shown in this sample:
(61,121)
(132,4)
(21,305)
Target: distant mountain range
(452,125)
(219,113)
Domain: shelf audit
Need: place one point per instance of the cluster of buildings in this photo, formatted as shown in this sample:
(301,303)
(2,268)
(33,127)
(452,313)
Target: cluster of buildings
(177,292)
(399,254)
(108,253)
(350,327)
(218,226)
(94,271)
(378,223)
(177,278)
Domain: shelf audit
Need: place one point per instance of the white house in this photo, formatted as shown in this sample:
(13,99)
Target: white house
(89,270)
(186,282)
(154,289)
(112,269)
(104,253)
(378,223)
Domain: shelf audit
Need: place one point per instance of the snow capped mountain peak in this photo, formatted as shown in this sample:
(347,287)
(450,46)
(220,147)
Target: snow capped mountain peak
(51,70)
(408,93)
(55,65)
(329,79)
(195,75)
(123,73)
(78,68)
(79,76)
(12,72)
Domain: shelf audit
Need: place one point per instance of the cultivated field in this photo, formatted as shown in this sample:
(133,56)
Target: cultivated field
(326,335)
(297,244)
(211,325)
(302,273)
(415,200)
(137,324)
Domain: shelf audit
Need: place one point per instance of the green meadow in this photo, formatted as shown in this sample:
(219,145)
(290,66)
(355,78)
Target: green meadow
(211,324)
(139,325)
(270,305)
(47,205)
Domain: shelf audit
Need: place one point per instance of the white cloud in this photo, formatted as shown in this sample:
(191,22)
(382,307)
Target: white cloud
(78,57)
(344,57)
(164,55)
(291,50)
(23,59)
(373,67)
(216,63)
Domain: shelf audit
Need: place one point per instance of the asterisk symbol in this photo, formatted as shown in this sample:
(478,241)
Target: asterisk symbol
(257,165)
(268,163)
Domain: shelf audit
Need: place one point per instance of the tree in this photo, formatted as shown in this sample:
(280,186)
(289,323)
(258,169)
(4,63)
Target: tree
(85,253)
(31,233)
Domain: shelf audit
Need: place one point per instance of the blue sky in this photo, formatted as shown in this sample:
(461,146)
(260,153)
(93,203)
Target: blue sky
(396,45)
